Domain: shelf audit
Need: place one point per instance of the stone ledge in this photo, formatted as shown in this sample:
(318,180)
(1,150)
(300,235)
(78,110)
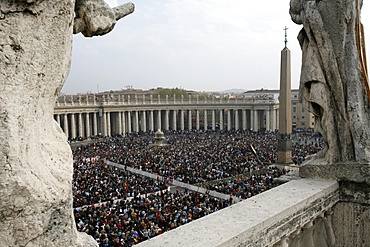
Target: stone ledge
(259,221)
(354,192)
(353,172)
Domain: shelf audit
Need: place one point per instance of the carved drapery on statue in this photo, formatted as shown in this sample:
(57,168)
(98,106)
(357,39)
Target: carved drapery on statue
(334,84)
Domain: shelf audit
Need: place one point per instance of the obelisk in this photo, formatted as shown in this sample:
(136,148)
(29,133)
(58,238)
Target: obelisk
(285,108)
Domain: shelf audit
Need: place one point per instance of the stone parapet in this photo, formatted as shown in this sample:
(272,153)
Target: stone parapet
(276,217)
(345,171)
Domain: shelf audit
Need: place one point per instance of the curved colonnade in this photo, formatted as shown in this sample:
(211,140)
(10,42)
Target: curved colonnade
(87,115)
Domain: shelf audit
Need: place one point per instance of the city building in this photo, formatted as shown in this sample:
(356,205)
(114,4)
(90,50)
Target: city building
(300,117)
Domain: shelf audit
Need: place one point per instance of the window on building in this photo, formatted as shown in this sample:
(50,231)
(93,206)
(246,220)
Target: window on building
(294,109)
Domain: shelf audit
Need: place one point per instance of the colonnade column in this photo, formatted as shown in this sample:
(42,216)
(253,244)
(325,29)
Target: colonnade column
(128,122)
(133,121)
(267,119)
(80,125)
(182,123)
(95,124)
(109,132)
(244,119)
(273,115)
(205,122)
(73,126)
(228,119)
(119,123)
(103,123)
(189,120)
(87,120)
(123,119)
(236,119)
(255,120)
(136,121)
(65,125)
(251,113)
(213,120)
(197,119)
(174,118)
(151,120)
(221,119)
(229,124)
(159,119)
(167,120)
(143,121)
(58,119)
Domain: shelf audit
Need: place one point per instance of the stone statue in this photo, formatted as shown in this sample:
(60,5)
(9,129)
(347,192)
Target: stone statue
(35,160)
(95,17)
(334,82)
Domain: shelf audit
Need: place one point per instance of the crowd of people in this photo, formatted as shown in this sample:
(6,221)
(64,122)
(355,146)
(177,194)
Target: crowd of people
(96,182)
(196,156)
(246,186)
(128,222)
(120,208)
(305,143)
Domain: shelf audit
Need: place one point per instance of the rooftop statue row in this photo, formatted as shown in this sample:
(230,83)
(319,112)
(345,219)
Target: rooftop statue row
(92,99)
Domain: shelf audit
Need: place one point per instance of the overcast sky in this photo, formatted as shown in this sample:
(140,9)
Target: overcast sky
(203,45)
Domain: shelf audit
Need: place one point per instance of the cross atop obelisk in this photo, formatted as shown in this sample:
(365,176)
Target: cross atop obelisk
(286,36)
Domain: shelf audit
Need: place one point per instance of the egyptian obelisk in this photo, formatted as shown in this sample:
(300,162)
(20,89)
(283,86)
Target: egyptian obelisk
(285,108)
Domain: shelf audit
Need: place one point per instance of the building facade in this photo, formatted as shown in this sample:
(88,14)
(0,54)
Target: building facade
(86,115)
(125,112)
(301,118)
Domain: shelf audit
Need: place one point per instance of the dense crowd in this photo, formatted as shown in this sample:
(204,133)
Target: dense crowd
(120,208)
(247,186)
(96,182)
(196,156)
(127,222)
(305,143)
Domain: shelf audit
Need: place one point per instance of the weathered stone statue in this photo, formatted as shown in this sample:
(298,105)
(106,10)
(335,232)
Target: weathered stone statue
(334,82)
(35,159)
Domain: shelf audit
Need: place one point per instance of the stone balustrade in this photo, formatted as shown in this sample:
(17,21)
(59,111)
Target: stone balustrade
(92,99)
(297,213)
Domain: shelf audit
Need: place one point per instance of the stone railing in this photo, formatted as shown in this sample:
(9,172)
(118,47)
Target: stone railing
(296,213)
